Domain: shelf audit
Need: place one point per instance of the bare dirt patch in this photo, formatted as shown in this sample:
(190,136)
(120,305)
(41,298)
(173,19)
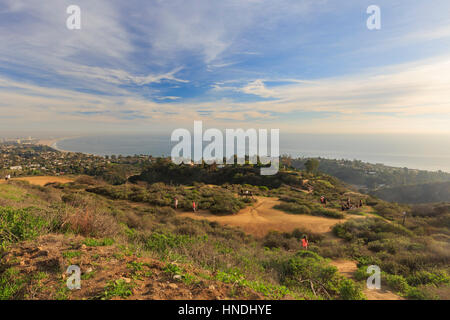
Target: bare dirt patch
(43,180)
(261,218)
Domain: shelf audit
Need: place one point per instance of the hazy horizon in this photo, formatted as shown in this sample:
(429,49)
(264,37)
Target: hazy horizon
(422,152)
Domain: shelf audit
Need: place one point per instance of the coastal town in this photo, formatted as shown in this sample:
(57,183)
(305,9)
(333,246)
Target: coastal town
(24,159)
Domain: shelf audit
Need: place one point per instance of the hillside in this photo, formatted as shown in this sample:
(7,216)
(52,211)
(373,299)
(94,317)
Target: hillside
(419,193)
(388,183)
(131,243)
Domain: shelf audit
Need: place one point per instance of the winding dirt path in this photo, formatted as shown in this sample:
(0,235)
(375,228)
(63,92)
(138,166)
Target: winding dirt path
(261,218)
(42,180)
(347,268)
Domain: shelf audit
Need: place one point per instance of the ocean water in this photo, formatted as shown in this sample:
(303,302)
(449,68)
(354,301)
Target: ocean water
(427,152)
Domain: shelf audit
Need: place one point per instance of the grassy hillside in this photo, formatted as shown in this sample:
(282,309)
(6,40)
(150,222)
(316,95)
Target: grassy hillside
(127,238)
(388,183)
(419,193)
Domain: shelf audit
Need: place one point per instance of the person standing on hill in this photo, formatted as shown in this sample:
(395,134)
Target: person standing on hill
(305,243)
(360,203)
(194,206)
(176,203)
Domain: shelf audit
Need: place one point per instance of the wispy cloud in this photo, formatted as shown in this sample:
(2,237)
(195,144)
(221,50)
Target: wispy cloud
(306,65)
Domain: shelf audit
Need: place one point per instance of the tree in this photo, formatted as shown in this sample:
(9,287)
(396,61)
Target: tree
(312,165)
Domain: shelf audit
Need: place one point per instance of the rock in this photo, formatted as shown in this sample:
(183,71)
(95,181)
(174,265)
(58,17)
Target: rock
(88,270)
(177,277)
(211,287)
(173,286)
(83,247)
(127,280)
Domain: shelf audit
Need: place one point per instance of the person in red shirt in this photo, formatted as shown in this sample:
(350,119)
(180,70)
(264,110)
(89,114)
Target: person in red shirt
(305,243)
(194,206)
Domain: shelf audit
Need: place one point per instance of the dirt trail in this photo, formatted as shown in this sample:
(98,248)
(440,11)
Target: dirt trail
(261,218)
(42,180)
(347,268)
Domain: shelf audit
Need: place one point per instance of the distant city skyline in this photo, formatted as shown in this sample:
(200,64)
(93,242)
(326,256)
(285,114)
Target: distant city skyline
(300,66)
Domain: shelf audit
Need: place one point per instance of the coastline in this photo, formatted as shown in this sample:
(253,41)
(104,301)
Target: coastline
(53,143)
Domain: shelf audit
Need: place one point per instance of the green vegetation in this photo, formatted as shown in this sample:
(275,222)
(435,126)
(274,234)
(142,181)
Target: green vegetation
(388,183)
(138,219)
(418,193)
(90,242)
(411,263)
(117,288)
(217,201)
(10,284)
(19,224)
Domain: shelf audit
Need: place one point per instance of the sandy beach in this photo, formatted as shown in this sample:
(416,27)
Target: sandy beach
(52,143)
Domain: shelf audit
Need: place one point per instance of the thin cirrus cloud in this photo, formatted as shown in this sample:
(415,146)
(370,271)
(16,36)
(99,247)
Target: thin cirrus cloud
(145,64)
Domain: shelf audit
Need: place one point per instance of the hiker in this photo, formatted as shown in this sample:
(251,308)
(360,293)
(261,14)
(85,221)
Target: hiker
(325,201)
(322,199)
(176,203)
(305,243)
(194,206)
(348,202)
(360,203)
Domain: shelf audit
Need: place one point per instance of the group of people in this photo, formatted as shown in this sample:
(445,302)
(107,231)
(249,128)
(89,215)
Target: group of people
(194,205)
(348,205)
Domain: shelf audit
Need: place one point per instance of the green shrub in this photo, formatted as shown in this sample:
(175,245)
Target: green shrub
(19,225)
(349,290)
(90,242)
(160,242)
(311,273)
(397,283)
(293,208)
(117,288)
(11,283)
(423,277)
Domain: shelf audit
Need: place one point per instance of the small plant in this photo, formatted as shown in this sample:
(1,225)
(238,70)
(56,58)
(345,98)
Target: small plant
(11,284)
(62,293)
(71,254)
(118,288)
(172,268)
(136,266)
(91,242)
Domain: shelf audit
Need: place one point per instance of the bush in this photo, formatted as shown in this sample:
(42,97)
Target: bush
(349,290)
(423,277)
(397,283)
(311,273)
(276,239)
(19,224)
(293,208)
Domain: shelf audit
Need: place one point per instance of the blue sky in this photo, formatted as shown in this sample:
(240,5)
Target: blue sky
(300,65)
